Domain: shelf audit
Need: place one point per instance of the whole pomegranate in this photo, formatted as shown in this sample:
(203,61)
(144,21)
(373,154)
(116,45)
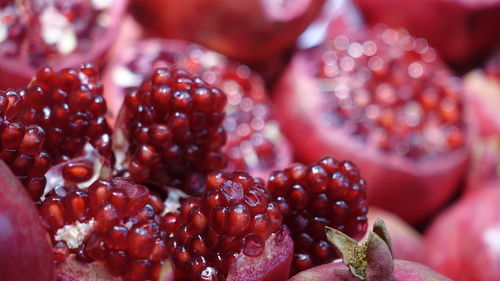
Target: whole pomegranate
(465,237)
(370,260)
(24,245)
(254,140)
(249,31)
(384,100)
(462,31)
(407,243)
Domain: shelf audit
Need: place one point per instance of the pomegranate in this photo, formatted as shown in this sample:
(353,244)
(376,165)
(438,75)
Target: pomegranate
(382,99)
(464,238)
(407,243)
(114,224)
(170,130)
(461,31)
(24,247)
(58,116)
(255,143)
(59,33)
(233,232)
(249,31)
(483,103)
(370,260)
(328,193)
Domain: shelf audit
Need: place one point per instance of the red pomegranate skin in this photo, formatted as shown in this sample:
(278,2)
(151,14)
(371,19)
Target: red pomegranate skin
(17,70)
(412,190)
(463,241)
(407,243)
(25,252)
(462,31)
(403,271)
(249,31)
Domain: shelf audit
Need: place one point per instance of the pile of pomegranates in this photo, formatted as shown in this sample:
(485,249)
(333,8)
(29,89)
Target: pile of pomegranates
(149,140)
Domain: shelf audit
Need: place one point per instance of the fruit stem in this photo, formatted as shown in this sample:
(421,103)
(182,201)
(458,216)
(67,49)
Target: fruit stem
(371,259)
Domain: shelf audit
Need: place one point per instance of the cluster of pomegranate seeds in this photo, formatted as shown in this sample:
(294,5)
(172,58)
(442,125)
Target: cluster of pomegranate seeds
(52,121)
(255,142)
(388,89)
(235,216)
(41,31)
(173,123)
(328,193)
(115,222)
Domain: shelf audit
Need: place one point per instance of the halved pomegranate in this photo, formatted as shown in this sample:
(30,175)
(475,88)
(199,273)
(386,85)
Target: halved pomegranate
(382,99)
(463,241)
(233,232)
(58,116)
(249,31)
(255,143)
(24,247)
(462,31)
(329,193)
(114,224)
(59,33)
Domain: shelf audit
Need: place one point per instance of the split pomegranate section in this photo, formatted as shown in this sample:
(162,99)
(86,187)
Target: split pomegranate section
(254,140)
(51,121)
(384,100)
(328,193)
(54,32)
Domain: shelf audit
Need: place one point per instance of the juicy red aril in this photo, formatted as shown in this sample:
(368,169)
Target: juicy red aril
(50,122)
(115,223)
(313,197)
(210,233)
(387,89)
(170,136)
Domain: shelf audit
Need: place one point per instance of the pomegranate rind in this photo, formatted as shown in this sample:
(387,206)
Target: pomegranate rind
(248,31)
(25,250)
(461,30)
(462,242)
(273,265)
(414,190)
(16,74)
(73,270)
(403,271)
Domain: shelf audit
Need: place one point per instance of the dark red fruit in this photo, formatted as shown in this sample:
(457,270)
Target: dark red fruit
(24,248)
(471,225)
(52,120)
(328,193)
(113,222)
(232,232)
(382,99)
(171,130)
(249,31)
(462,31)
(255,143)
(55,32)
